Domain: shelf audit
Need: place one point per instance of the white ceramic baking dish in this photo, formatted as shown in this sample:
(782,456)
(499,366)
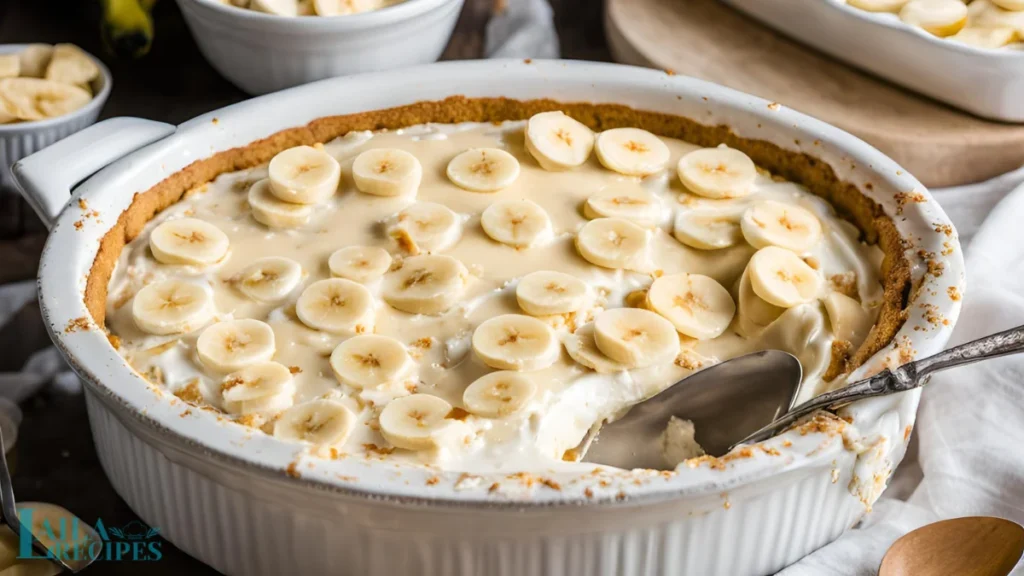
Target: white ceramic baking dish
(262,53)
(248,504)
(19,139)
(988,83)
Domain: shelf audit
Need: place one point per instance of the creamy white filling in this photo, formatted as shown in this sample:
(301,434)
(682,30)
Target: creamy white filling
(571,398)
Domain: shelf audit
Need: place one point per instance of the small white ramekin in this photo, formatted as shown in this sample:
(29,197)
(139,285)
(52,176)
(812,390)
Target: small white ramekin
(263,53)
(20,139)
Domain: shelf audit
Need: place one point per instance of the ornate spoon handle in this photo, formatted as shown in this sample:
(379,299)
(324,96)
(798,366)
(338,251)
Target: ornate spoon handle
(906,377)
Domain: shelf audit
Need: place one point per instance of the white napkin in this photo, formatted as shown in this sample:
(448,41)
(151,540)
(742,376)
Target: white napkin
(970,427)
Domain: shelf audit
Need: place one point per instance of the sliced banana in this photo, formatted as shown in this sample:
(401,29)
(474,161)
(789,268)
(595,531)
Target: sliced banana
(708,228)
(635,337)
(582,348)
(878,5)
(429,284)
(269,279)
(321,422)
(515,342)
(720,172)
(257,381)
(985,14)
(362,264)
(788,226)
(631,151)
(557,141)
(849,320)
(1014,5)
(698,306)
(336,305)
(273,212)
(344,7)
(425,227)
(38,99)
(499,394)
(266,406)
(69,64)
(304,175)
(188,241)
(545,292)
(753,309)
(413,422)
(781,278)
(483,170)
(614,243)
(10,65)
(34,59)
(628,201)
(986,37)
(172,307)
(387,172)
(939,17)
(276,7)
(369,361)
(518,223)
(231,345)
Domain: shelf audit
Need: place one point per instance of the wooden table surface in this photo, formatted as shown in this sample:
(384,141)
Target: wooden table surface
(56,459)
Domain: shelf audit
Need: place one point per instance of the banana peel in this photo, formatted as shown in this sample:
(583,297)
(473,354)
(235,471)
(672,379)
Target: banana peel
(127,27)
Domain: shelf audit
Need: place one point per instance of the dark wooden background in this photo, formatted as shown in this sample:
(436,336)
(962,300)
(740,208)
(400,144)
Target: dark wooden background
(56,459)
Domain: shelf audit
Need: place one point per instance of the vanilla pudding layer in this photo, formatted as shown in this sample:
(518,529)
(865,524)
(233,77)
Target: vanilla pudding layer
(569,397)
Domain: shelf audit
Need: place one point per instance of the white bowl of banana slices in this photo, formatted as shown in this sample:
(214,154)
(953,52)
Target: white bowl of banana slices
(266,45)
(966,53)
(46,93)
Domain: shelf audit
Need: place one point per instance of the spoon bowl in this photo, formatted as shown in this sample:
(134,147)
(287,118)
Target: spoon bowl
(975,546)
(725,402)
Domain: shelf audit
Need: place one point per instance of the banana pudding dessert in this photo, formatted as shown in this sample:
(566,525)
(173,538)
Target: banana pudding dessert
(981,23)
(312,7)
(476,295)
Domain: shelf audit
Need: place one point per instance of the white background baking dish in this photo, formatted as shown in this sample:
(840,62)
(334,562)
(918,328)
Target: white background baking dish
(222,494)
(262,53)
(988,83)
(19,139)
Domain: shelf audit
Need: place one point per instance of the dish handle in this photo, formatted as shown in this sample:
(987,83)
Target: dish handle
(45,178)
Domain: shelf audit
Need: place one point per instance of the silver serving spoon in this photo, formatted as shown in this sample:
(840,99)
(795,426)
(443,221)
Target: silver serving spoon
(725,402)
(907,377)
(9,513)
(730,402)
